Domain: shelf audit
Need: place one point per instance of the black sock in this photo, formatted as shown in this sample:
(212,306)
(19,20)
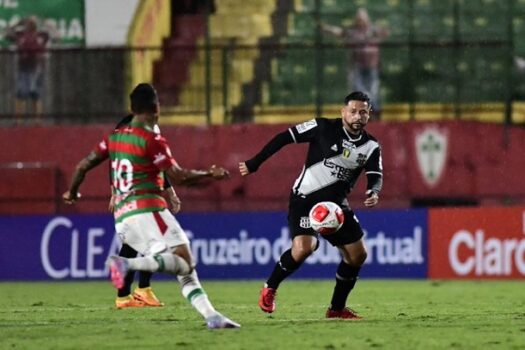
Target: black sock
(284,268)
(345,280)
(144,279)
(127,252)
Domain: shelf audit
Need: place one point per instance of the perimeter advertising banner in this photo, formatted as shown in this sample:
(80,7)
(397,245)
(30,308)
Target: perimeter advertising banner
(473,243)
(226,246)
(66,16)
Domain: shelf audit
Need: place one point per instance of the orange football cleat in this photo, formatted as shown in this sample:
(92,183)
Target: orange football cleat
(128,301)
(147,296)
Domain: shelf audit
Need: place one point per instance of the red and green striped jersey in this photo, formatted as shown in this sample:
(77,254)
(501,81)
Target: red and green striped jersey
(138,157)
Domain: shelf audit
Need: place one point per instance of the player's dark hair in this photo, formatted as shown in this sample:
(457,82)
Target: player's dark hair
(124,121)
(144,99)
(357,96)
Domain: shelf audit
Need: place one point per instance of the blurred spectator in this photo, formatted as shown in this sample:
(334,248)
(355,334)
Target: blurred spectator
(519,63)
(31,43)
(191,7)
(363,72)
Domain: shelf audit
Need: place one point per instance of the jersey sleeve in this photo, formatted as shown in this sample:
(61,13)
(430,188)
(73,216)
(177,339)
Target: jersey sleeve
(276,143)
(305,132)
(159,152)
(374,171)
(102,148)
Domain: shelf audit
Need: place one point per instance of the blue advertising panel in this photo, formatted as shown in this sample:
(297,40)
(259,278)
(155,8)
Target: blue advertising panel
(225,245)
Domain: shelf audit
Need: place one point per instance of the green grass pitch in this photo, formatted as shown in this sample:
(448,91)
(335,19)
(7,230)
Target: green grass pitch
(399,314)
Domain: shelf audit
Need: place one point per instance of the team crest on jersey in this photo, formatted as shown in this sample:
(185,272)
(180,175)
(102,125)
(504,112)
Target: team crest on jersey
(431,149)
(347,148)
(305,222)
(303,127)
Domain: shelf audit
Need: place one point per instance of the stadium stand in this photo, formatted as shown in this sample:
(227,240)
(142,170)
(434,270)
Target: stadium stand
(181,74)
(435,71)
(442,60)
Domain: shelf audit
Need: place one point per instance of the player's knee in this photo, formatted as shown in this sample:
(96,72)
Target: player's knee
(186,265)
(360,258)
(302,252)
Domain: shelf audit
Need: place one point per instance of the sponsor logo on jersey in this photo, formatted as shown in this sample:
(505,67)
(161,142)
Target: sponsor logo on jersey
(126,208)
(303,127)
(338,171)
(159,158)
(431,149)
(361,159)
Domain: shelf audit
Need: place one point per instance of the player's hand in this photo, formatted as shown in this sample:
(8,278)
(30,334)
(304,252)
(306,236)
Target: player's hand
(372,199)
(176,207)
(175,203)
(112,202)
(70,198)
(243,169)
(219,173)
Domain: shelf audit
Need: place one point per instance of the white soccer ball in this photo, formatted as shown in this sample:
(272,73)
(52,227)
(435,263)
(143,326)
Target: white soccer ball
(326,217)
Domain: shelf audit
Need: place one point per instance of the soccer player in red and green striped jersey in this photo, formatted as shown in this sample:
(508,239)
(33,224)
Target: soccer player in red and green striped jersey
(143,295)
(139,157)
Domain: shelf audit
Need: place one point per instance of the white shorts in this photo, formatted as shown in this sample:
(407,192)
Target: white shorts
(151,233)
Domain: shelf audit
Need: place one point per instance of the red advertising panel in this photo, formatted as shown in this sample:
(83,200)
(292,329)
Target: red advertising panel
(472,243)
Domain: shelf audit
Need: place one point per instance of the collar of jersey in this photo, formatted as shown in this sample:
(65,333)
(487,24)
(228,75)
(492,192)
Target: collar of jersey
(350,137)
(140,125)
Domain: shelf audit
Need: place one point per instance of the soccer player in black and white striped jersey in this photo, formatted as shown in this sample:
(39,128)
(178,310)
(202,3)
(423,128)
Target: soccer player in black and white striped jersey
(339,151)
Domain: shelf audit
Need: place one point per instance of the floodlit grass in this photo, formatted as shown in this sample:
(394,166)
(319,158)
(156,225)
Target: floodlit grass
(398,314)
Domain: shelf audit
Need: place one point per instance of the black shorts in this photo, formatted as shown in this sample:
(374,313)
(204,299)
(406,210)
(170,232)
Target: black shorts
(299,224)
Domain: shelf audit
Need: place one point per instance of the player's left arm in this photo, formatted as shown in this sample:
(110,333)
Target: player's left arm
(186,177)
(374,175)
(160,153)
(174,200)
(83,167)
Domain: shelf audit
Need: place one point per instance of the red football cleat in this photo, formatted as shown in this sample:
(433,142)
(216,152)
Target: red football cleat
(267,300)
(345,314)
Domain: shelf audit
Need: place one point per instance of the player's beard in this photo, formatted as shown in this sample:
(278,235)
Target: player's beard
(355,128)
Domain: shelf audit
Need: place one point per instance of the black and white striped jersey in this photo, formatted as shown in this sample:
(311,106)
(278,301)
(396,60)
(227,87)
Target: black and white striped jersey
(334,161)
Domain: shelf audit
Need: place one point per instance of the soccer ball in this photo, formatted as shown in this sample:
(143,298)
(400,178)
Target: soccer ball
(326,217)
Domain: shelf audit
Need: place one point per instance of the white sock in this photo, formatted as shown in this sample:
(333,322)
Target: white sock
(166,262)
(146,263)
(193,291)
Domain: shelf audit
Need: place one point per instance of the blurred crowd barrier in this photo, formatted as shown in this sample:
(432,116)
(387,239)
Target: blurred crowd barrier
(446,243)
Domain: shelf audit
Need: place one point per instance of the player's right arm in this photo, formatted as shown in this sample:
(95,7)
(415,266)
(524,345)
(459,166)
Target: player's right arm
(83,167)
(332,30)
(304,132)
(94,158)
(276,143)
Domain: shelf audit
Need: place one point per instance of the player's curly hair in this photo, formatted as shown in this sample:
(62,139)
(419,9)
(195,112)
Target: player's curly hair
(144,99)
(357,96)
